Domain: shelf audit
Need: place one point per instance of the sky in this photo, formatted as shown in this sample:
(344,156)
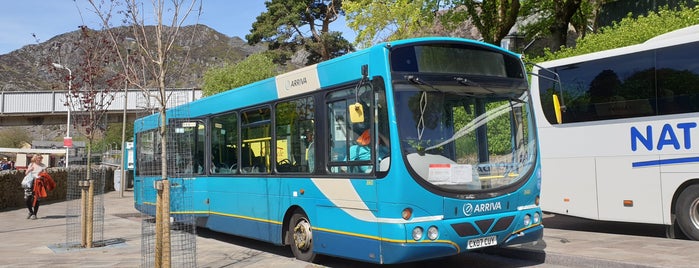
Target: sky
(21,20)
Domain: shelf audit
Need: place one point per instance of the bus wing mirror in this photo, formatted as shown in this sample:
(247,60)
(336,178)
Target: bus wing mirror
(558,106)
(356,112)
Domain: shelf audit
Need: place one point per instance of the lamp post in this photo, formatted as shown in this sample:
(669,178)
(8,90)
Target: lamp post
(129,42)
(67,141)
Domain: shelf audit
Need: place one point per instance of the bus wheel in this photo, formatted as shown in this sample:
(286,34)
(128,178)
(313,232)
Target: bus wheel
(688,211)
(301,236)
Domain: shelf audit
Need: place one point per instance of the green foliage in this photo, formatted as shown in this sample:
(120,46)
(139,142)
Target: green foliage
(112,137)
(290,25)
(335,44)
(492,18)
(14,137)
(628,32)
(254,68)
(378,21)
(499,132)
(555,16)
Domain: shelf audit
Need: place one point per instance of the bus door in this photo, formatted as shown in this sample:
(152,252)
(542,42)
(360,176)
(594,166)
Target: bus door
(352,160)
(187,162)
(252,196)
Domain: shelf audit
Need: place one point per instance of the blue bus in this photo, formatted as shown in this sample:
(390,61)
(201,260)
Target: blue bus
(404,151)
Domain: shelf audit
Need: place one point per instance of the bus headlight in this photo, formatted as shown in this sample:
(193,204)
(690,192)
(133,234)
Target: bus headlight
(527,220)
(417,233)
(537,218)
(432,232)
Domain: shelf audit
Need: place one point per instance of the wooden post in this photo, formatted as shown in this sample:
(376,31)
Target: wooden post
(83,213)
(158,185)
(167,250)
(90,212)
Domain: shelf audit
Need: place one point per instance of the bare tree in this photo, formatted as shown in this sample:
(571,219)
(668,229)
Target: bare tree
(88,99)
(153,48)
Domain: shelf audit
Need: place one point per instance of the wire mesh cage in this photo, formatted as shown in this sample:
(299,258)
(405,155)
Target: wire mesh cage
(85,206)
(180,244)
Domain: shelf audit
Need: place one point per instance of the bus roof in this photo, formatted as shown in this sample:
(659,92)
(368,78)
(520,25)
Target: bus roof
(324,74)
(681,33)
(681,36)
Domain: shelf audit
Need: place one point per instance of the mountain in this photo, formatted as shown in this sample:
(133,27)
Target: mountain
(28,68)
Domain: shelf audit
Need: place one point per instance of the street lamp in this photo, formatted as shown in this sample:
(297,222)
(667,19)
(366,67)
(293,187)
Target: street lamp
(67,141)
(129,43)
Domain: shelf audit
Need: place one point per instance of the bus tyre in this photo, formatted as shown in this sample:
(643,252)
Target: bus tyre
(301,237)
(688,211)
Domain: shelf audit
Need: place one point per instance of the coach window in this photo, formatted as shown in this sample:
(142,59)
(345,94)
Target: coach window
(678,79)
(611,88)
(294,136)
(224,143)
(256,136)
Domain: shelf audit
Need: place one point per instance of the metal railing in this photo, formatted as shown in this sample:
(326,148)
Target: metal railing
(29,103)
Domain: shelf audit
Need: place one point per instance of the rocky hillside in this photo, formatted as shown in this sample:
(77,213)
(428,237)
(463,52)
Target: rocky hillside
(28,68)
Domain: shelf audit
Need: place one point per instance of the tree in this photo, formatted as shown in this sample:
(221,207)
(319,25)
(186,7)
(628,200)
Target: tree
(88,98)
(285,23)
(629,31)
(14,137)
(379,21)
(92,83)
(554,18)
(254,68)
(492,18)
(112,135)
(153,48)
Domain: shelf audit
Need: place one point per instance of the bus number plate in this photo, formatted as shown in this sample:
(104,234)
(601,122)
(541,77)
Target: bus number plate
(482,242)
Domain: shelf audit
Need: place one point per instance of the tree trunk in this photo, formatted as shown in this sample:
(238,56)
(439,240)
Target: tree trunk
(564,11)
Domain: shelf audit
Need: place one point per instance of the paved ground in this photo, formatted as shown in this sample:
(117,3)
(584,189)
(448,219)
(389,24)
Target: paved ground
(33,243)
(36,243)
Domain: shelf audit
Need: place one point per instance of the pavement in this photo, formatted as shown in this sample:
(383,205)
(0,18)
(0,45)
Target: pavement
(38,243)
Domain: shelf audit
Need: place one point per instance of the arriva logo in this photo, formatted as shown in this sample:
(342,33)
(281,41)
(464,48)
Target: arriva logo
(291,84)
(470,209)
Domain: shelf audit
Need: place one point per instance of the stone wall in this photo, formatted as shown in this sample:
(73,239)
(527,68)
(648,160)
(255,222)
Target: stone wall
(12,196)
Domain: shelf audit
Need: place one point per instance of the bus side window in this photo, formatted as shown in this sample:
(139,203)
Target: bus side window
(295,131)
(187,154)
(384,143)
(357,146)
(224,142)
(256,135)
(337,135)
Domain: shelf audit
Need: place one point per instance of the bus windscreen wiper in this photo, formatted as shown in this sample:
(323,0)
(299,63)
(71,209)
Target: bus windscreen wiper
(464,81)
(416,80)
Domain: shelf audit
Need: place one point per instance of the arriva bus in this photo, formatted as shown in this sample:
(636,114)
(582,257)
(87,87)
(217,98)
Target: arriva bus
(404,151)
(619,135)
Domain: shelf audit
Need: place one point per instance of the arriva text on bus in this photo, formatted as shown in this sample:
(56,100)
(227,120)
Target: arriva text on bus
(677,136)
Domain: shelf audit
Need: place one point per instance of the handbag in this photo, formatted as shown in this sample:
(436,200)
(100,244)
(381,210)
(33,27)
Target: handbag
(27,181)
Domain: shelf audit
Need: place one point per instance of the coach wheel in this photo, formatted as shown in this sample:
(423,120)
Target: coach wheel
(301,237)
(673,231)
(688,211)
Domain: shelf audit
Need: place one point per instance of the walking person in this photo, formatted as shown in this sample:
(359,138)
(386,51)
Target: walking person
(32,201)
